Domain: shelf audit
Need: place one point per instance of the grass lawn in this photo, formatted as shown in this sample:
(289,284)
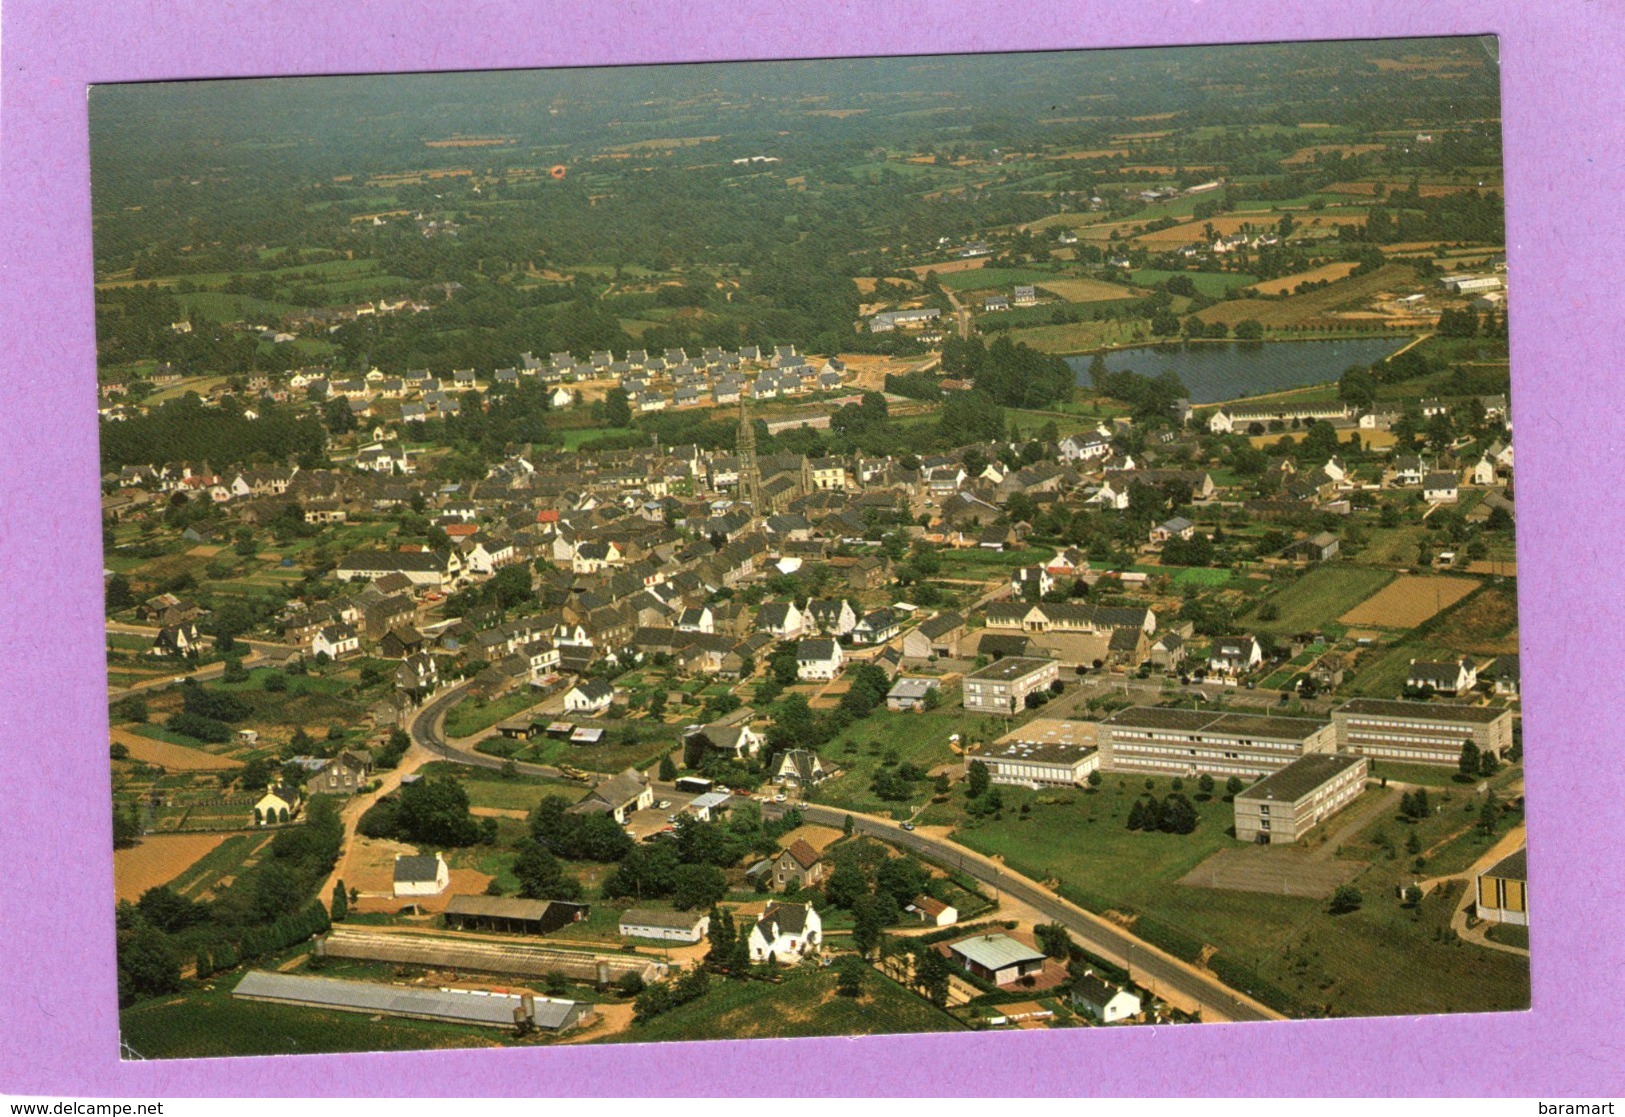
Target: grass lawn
(520,793)
(1508,935)
(574,438)
(1382,673)
(475,715)
(1381,959)
(1395,546)
(920,739)
(1320,596)
(805,1004)
(647,742)
(1212,284)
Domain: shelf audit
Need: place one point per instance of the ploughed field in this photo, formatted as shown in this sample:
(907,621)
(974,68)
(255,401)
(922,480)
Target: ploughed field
(1409,600)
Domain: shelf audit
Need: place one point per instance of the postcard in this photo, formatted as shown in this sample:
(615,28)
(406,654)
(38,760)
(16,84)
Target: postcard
(818,548)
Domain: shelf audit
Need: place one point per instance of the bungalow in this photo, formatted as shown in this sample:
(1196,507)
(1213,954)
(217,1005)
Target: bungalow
(421,876)
(910,694)
(997,958)
(929,909)
(785,934)
(1503,890)
(1504,675)
(1441,487)
(818,660)
(1177,528)
(589,696)
(1105,1003)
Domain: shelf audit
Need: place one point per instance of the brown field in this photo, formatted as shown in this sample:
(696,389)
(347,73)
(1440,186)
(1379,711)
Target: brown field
(1409,600)
(1299,309)
(1087,290)
(1097,153)
(949,266)
(1486,625)
(1366,189)
(472,141)
(664,145)
(1331,272)
(174,758)
(1505,569)
(1307,154)
(1196,230)
(158,860)
(1127,136)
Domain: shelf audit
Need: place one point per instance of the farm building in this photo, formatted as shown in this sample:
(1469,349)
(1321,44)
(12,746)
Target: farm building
(676,926)
(457,1006)
(1419,732)
(1284,807)
(630,791)
(511,915)
(498,956)
(997,958)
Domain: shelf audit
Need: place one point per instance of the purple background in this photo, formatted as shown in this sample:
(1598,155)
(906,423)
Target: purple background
(1562,83)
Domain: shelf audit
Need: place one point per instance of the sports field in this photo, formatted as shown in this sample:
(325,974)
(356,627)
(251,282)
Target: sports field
(1409,600)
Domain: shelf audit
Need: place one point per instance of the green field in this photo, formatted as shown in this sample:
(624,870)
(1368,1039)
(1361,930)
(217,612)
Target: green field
(224,859)
(1319,597)
(920,739)
(475,715)
(805,1004)
(1212,284)
(1382,959)
(208,1023)
(977,279)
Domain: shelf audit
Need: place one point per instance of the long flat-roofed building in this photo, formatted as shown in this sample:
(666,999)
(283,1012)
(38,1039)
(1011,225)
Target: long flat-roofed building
(1002,686)
(1286,806)
(1189,742)
(501,1010)
(1046,752)
(1420,732)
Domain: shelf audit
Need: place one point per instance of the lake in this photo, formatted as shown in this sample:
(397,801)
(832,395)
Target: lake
(1221,370)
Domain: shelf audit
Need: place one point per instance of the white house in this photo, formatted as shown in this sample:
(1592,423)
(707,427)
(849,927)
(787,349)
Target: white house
(590,696)
(1447,678)
(929,909)
(781,619)
(280,803)
(1441,487)
(818,660)
(421,876)
(335,641)
(1106,1003)
(1234,655)
(739,741)
(1484,471)
(786,933)
(560,398)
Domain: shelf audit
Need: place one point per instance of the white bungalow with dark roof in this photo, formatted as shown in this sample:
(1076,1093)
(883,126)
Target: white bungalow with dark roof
(1445,678)
(421,876)
(1103,1002)
(589,696)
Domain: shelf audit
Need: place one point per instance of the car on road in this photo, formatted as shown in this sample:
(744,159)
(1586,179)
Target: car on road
(908,826)
(780,797)
(664,805)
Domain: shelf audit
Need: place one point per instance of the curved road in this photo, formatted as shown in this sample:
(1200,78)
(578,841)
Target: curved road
(1150,966)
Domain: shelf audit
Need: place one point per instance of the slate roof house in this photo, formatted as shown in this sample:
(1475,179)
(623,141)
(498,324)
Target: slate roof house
(786,933)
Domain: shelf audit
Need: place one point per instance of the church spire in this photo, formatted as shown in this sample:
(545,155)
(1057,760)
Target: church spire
(750,474)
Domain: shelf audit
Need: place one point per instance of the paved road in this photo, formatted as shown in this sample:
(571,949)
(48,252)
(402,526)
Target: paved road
(960,313)
(1150,966)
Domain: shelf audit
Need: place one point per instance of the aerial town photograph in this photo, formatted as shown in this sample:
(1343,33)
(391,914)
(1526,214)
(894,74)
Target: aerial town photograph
(816,548)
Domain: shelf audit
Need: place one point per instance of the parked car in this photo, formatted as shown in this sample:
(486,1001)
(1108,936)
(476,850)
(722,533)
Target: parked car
(908,826)
(664,804)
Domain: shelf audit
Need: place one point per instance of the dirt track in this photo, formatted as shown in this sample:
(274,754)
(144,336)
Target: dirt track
(176,758)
